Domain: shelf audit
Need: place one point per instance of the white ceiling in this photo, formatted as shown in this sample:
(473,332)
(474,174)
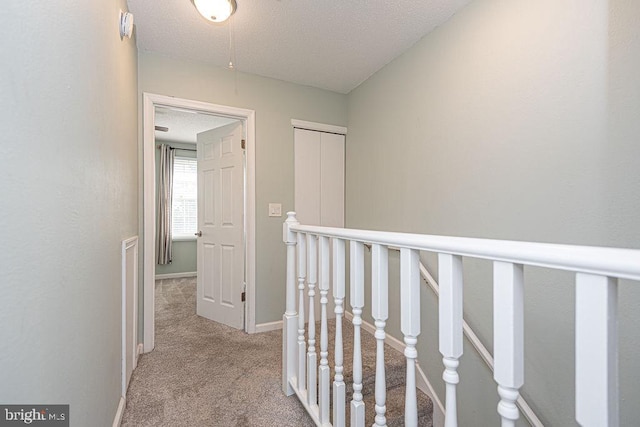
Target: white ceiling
(330,44)
(185,125)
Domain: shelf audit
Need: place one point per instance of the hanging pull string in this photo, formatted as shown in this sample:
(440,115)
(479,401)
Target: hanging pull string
(232,53)
(232,47)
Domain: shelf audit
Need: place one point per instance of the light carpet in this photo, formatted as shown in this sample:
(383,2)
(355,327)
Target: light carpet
(202,373)
(207,374)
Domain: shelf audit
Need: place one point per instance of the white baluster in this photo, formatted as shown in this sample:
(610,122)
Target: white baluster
(312,357)
(302,271)
(596,350)
(380,312)
(410,325)
(290,317)
(324,370)
(450,309)
(356,287)
(508,336)
(339,389)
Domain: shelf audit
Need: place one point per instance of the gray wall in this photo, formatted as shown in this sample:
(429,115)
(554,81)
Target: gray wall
(184,255)
(69,188)
(514,120)
(275,103)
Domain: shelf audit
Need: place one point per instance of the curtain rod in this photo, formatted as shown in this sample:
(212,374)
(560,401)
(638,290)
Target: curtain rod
(177,148)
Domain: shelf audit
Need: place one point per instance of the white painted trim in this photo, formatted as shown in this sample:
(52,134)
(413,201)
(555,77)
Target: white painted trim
(320,127)
(468,332)
(117,419)
(599,261)
(177,275)
(149,102)
(422,382)
(312,410)
(127,244)
(184,238)
(481,350)
(269,326)
(149,223)
(139,351)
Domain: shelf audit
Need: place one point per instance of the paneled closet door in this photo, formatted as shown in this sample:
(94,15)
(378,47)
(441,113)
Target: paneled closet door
(319,177)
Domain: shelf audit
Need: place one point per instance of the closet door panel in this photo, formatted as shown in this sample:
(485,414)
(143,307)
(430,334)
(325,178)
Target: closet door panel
(307,176)
(331,180)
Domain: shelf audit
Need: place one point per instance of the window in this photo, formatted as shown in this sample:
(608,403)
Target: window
(184,218)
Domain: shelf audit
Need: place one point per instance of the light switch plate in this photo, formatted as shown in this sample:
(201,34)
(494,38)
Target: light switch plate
(275,209)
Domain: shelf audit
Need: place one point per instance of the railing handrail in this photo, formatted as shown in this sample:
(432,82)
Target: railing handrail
(596,313)
(611,262)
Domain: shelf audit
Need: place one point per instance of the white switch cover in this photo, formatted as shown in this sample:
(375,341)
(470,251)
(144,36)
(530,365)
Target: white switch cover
(275,209)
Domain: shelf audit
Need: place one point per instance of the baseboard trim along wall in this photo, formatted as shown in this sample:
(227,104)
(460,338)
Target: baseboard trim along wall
(119,412)
(421,379)
(438,408)
(176,275)
(269,326)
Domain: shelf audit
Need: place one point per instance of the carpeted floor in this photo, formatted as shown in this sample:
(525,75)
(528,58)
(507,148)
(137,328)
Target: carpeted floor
(202,373)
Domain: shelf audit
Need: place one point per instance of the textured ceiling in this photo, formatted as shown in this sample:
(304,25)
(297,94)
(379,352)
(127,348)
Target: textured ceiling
(185,125)
(330,44)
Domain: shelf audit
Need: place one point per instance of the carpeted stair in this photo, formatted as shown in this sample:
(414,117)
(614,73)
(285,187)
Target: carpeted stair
(395,371)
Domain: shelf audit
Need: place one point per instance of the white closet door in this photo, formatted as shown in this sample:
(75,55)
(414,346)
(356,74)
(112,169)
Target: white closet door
(319,178)
(307,176)
(319,185)
(331,180)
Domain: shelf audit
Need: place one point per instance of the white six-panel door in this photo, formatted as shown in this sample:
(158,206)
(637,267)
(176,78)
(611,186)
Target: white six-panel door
(220,248)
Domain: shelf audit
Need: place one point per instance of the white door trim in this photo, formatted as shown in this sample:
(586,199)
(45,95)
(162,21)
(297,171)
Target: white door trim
(127,245)
(150,101)
(319,127)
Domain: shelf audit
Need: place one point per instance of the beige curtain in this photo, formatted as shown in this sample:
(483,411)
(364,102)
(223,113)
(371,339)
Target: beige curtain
(163,214)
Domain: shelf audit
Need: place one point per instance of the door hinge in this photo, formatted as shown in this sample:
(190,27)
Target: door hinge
(243,297)
(244,144)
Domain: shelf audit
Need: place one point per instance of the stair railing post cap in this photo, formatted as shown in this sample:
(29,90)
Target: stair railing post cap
(288,236)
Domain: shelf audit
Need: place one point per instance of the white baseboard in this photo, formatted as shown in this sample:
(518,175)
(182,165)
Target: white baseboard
(176,275)
(422,382)
(425,386)
(119,412)
(269,326)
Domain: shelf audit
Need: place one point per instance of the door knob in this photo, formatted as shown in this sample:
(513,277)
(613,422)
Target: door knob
(199,234)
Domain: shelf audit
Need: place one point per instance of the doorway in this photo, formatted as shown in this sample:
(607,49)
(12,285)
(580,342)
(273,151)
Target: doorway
(150,103)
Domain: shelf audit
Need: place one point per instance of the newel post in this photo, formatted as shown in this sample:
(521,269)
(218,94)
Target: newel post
(290,317)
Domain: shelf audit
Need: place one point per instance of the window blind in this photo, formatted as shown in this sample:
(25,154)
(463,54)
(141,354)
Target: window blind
(185,197)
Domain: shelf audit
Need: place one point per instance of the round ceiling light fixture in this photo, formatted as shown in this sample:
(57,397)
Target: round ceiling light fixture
(216,10)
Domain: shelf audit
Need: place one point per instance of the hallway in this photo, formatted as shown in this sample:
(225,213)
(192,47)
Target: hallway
(207,374)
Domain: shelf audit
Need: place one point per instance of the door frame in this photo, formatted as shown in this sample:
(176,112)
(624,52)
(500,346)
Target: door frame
(150,101)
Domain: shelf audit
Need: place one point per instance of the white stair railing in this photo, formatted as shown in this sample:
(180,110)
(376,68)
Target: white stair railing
(357,302)
(339,387)
(482,351)
(312,358)
(597,271)
(324,372)
(508,337)
(302,271)
(380,313)
(450,309)
(410,327)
